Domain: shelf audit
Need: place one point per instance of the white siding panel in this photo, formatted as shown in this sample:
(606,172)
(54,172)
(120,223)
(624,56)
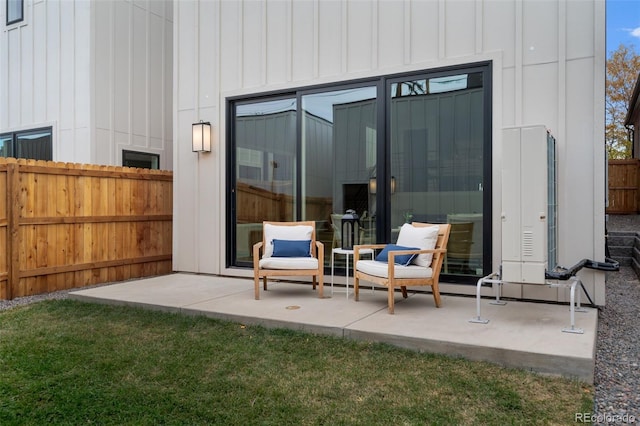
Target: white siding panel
(508,97)
(303,36)
(39,63)
(540,32)
(580,29)
(359,35)
(67,70)
(168,89)
(252,46)
(26,75)
(103,74)
(82,67)
(391,39)
(103,145)
(122,67)
(53,61)
(15,79)
(499,29)
(157,7)
(139,73)
(540,101)
(208,72)
(425,35)
(187,43)
(460,28)
(4,81)
(82,145)
(155,76)
(330,36)
(278,42)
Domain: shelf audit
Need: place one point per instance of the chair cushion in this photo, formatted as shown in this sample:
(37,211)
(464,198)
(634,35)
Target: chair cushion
(291,248)
(424,237)
(283,232)
(288,263)
(400,259)
(381,269)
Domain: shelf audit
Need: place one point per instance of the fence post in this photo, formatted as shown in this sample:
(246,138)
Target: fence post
(13,227)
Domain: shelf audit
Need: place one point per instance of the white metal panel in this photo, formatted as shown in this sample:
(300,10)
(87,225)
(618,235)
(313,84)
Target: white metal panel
(424,32)
(579,30)
(302,39)
(15,79)
(82,72)
(391,41)
(499,29)
(122,67)
(540,32)
(360,32)
(139,74)
(26,74)
(209,44)
(278,42)
(540,87)
(460,28)
(253,35)
(330,38)
(67,73)
(186,56)
(53,61)
(511,184)
(155,77)
(103,86)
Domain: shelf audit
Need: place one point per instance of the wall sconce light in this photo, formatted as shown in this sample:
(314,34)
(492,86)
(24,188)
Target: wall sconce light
(201,137)
(373,185)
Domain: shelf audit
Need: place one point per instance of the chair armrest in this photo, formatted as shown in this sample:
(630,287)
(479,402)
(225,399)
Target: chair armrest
(320,253)
(256,254)
(358,247)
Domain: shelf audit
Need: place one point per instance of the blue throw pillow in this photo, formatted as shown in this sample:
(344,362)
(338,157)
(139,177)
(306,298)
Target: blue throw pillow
(291,248)
(400,259)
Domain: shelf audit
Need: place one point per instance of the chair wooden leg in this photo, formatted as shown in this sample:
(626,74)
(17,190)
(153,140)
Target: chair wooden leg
(436,294)
(390,299)
(356,288)
(320,286)
(404,291)
(256,285)
(314,282)
(264,283)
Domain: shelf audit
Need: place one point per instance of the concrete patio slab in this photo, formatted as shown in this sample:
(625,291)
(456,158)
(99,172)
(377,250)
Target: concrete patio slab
(519,334)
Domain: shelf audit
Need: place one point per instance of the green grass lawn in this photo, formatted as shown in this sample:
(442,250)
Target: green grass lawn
(66,362)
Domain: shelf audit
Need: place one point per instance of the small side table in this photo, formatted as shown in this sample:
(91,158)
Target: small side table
(346,253)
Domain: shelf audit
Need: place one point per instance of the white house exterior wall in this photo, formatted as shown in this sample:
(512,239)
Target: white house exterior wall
(98,72)
(548,68)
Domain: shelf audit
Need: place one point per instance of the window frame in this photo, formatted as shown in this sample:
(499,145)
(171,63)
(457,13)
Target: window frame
(143,153)
(18,19)
(383,82)
(15,135)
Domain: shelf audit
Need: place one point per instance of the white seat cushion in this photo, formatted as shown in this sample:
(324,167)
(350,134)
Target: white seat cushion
(423,237)
(288,263)
(381,269)
(282,232)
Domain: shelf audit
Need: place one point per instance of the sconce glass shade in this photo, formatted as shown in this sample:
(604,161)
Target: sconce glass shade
(373,185)
(201,137)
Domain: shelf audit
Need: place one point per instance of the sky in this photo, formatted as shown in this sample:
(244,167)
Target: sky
(623,24)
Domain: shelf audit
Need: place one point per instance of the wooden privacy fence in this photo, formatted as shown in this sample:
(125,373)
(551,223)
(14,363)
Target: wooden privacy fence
(67,225)
(624,181)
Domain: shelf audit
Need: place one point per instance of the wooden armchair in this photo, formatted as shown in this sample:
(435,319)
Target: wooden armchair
(421,249)
(288,249)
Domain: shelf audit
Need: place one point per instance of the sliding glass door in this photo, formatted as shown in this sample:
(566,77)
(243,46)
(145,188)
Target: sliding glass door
(395,149)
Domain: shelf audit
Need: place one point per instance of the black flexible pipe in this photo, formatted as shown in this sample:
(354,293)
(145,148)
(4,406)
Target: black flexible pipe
(608,265)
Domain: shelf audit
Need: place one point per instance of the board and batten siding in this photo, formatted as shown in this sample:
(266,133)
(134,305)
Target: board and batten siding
(100,73)
(548,67)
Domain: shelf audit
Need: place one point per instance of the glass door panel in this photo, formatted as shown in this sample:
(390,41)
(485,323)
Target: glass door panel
(436,162)
(339,136)
(265,169)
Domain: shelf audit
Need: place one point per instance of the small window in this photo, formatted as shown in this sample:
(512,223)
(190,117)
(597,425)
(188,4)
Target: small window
(35,144)
(15,11)
(142,160)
